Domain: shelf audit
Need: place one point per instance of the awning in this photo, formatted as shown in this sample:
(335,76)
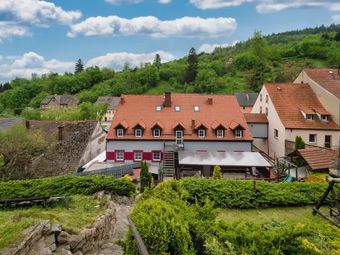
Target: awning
(234,159)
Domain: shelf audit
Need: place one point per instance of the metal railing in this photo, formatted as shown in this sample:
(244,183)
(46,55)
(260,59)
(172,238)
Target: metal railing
(138,239)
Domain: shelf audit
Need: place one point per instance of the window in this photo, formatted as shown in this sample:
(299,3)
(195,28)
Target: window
(177,108)
(158,108)
(328,141)
(309,117)
(260,109)
(201,133)
(312,138)
(119,155)
(156,132)
(267,111)
(156,156)
(324,117)
(260,97)
(138,132)
(267,98)
(238,133)
(137,155)
(220,133)
(276,133)
(196,108)
(120,132)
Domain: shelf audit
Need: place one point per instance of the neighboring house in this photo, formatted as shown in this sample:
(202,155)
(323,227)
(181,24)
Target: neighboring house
(246,100)
(258,125)
(59,101)
(198,131)
(294,110)
(326,85)
(112,104)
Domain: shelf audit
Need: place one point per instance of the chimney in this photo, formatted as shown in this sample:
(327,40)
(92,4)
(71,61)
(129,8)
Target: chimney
(193,124)
(60,132)
(122,100)
(210,101)
(27,124)
(167,99)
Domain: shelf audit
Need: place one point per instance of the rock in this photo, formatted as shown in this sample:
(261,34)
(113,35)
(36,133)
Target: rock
(46,251)
(63,237)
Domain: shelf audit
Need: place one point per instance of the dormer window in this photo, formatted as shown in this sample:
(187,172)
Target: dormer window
(120,132)
(324,117)
(219,133)
(201,133)
(138,132)
(238,133)
(177,108)
(156,132)
(309,117)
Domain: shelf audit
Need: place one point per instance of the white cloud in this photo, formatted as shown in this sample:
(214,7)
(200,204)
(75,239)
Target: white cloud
(336,18)
(10,29)
(38,12)
(119,2)
(117,60)
(209,48)
(30,63)
(264,6)
(152,26)
(164,1)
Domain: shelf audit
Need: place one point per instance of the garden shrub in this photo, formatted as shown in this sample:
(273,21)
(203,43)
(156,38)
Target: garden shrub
(65,185)
(163,230)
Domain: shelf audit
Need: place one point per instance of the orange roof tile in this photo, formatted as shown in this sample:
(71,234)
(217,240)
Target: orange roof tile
(288,99)
(224,110)
(256,117)
(329,79)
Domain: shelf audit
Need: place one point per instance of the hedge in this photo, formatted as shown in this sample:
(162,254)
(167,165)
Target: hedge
(65,185)
(241,194)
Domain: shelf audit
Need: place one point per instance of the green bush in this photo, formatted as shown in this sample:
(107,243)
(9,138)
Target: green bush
(241,194)
(65,185)
(164,231)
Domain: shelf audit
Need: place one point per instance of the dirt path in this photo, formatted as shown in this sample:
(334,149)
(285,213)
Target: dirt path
(123,208)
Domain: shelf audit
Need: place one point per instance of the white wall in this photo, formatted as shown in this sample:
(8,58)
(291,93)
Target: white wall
(276,146)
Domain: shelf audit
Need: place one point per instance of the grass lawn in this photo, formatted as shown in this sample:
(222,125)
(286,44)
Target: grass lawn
(82,213)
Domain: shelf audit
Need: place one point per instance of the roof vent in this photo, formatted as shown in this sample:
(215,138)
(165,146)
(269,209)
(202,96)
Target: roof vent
(278,88)
(158,108)
(196,108)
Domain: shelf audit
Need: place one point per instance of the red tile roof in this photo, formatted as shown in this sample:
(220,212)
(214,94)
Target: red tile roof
(317,158)
(329,79)
(224,110)
(256,117)
(289,99)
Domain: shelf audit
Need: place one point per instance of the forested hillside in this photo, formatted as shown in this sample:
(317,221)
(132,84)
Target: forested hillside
(243,67)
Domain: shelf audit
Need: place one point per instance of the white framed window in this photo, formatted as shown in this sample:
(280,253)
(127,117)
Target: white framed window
(220,133)
(137,155)
(196,108)
(201,133)
(238,133)
(120,155)
(156,132)
(312,138)
(158,108)
(120,132)
(156,156)
(276,133)
(324,117)
(177,108)
(309,117)
(138,132)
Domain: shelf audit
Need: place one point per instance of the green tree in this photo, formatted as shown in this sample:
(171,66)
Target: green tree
(299,143)
(217,173)
(2,164)
(145,177)
(79,66)
(337,36)
(157,61)
(192,68)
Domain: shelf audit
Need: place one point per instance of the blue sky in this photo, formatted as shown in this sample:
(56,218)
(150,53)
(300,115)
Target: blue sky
(39,36)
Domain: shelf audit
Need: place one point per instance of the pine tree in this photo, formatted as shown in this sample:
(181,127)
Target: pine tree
(145,177)
(217,173)
(191,71)
(79,66)
(157,61)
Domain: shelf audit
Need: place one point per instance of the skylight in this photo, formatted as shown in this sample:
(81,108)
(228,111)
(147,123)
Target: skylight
(158,108)
(177,108)
(196,108)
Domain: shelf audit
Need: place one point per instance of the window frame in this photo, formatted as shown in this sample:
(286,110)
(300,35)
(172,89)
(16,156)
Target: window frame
(309,115)
(134,156)
(238,133)
(137,130)
(219,135)
(122,159)
(154,132)
(276,133)
(201,130)
(177,108)
(118,132)
(261,97)
(315,140)
(155,159)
